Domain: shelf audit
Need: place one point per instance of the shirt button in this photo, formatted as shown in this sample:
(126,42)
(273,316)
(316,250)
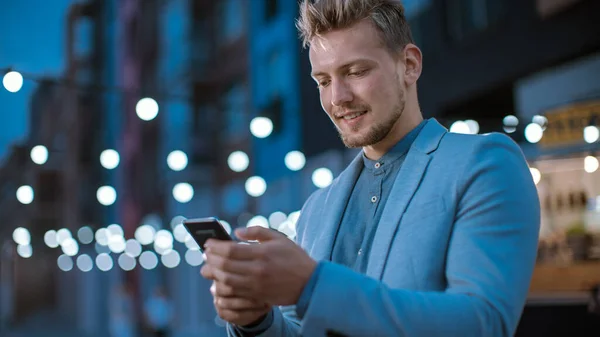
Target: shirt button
(360,252)
(377,165)
(373,199)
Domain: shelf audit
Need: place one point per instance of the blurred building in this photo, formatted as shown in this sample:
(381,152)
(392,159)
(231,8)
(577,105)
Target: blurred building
(478,55)
(58,162)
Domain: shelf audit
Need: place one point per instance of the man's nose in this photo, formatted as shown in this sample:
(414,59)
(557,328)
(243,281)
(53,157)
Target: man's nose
(341,93)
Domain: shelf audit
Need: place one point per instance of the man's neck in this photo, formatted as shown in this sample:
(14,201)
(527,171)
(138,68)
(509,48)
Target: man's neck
(404,125)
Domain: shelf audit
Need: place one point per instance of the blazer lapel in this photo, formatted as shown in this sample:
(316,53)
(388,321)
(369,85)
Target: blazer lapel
(334,205)
(405,185)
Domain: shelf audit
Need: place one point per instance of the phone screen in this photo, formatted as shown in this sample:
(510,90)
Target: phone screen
(206,228)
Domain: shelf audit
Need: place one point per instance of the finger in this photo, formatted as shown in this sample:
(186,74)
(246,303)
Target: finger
(230,279)
(220,289)
(233,250)
(258,233)
(242,317)
(207,272)
(238,303)
(228,265)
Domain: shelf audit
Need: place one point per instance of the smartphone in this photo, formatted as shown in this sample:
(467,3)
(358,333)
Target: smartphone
(203,229)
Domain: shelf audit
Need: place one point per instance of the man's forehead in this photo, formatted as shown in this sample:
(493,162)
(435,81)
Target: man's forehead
(328,57)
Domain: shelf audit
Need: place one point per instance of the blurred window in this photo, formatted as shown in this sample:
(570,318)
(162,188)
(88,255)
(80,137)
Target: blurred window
(84,34)
(205,126)
(231,13)
(234,106)
(271,8)
(200,45)
(413,8)
(275,73)
(550,7)
(468,17)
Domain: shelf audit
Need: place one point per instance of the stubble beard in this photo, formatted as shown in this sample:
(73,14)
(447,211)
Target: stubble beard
(378,131)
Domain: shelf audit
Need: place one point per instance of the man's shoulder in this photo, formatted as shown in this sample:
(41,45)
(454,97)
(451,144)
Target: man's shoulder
(466,140)
(461,145)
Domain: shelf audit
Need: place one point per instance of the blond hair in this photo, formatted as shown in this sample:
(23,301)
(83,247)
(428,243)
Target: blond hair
(320,16)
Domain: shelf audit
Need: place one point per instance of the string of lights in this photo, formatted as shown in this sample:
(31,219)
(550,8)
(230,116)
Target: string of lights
(160,242)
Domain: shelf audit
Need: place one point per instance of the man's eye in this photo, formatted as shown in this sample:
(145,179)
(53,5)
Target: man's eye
(323,84)
(358,73)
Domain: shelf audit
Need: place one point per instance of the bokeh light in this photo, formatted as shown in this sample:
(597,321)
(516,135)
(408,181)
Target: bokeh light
(194,257)
(145,234)
(177,160)
(69,246)
(104,262)
(85,235)
(510,123)
(238,161)
(533,133)
(322,177)
(590,164)
(25,251)
(65,262)
(133,248)
(171,259)
(591,134)
(50,239)
(460,127)
(21,236)
(25,194)
(259,221)
(102,236)
(255,186)
(261,127)
(148,260)
(12,81)
(85,263)
(183,192)
(106,195)
(535,174)
(126,262)
(109,159)
(146,109)
(39,154)
(295,160)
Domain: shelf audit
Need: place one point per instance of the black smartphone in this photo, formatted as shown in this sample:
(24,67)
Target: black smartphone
(203,229)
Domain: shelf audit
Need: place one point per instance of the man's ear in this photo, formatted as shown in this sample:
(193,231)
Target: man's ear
(413,64)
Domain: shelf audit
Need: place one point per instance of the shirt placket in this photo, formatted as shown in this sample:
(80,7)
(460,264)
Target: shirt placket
(374,199)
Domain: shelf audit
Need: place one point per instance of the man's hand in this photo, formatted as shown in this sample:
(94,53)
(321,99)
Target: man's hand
(274,271)
(239,311)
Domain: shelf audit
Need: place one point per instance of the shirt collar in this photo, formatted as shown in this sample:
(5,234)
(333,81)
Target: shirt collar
(396,152)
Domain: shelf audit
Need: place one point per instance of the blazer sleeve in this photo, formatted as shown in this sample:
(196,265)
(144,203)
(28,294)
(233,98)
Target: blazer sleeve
(490,261)
(285,323)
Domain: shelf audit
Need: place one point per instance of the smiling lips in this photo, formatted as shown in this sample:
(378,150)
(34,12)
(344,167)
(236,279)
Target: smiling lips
(353,115)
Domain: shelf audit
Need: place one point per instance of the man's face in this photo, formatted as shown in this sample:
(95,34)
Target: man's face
(360,83)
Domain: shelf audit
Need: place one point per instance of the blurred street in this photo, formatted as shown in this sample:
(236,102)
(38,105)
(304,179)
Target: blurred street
(46,323)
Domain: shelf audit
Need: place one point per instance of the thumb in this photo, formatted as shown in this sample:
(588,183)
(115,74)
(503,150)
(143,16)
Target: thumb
(257,233)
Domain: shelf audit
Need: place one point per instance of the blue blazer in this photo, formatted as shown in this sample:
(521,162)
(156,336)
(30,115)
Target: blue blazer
(453,254)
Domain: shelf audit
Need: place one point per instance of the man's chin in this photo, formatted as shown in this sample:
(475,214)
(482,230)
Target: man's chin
(354,142)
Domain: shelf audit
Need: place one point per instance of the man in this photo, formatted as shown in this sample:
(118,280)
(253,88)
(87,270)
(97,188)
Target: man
(426,233)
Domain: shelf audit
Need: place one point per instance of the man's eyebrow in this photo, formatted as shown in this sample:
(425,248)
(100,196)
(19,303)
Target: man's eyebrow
(343,67)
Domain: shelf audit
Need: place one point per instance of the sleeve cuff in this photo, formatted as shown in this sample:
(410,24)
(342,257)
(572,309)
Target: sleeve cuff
(306,295)
(255,329)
